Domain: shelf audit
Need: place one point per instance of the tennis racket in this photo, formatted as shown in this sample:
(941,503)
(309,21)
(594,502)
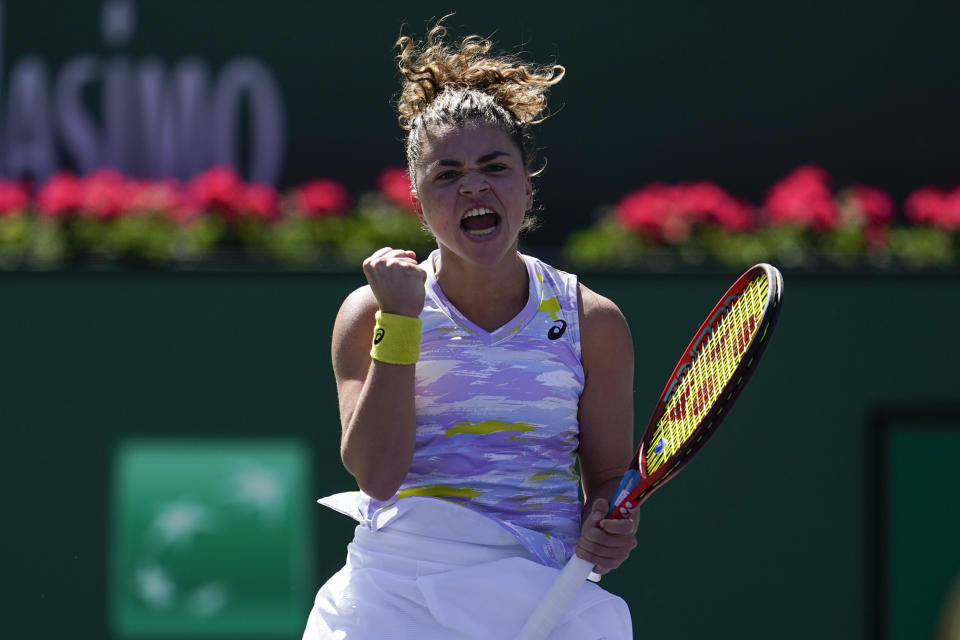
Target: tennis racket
(698,395)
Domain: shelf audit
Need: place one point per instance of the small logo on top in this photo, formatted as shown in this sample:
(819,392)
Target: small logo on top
(557,330)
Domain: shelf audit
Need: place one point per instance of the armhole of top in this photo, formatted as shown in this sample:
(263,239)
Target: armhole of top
(574,284)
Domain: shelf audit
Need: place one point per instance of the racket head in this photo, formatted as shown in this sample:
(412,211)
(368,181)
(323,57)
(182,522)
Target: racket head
(707,380)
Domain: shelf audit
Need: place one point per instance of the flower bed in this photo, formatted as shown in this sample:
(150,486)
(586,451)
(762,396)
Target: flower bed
(802,222)
(108,219)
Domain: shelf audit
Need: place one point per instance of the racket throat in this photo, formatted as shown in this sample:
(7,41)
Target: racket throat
(632,499)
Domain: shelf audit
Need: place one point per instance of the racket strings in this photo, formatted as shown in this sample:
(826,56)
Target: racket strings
(711,369)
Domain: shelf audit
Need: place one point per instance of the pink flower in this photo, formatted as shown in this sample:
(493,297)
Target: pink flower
(394,185)
(706,201)
(216,190)
(13,197)
(59,196)
(668,212)
(735,215)
(261,200)
(803,198)
(929,205)
(103,194)
(321,197)
(874,205)
(652,210)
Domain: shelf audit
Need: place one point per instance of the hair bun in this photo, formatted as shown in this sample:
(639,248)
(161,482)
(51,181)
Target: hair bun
(518,87)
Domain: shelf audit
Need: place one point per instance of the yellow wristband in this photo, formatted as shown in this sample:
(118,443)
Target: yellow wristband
(396,339)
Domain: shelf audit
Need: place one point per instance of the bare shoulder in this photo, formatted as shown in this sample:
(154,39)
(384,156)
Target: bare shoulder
(602,325)
(359,306)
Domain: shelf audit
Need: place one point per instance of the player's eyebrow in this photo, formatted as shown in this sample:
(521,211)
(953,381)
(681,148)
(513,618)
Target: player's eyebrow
(490,156)
(487,157)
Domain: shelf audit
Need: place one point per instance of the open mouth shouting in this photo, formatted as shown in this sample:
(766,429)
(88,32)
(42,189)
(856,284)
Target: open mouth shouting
(480,222)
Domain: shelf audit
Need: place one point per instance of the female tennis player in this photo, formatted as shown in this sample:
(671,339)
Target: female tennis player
(478,388)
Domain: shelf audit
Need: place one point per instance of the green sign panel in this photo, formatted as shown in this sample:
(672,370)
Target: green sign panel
(210,538)
(924,534)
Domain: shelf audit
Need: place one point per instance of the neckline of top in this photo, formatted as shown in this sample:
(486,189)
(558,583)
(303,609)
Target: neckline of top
(511,327)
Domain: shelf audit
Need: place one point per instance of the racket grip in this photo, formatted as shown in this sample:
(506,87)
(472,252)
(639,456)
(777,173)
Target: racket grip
(557,600)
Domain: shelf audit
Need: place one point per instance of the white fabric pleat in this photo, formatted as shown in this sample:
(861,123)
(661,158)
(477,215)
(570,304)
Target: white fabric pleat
(441,571)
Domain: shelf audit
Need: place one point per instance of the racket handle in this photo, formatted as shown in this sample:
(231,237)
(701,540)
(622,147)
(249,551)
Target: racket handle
(557,600)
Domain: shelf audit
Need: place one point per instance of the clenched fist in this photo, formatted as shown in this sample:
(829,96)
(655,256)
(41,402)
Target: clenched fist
(396,281)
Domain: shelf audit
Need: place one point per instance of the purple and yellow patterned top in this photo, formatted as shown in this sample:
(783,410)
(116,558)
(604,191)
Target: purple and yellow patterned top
(497,427)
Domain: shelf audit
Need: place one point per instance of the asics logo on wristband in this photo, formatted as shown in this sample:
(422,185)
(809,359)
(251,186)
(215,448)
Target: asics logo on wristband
(378,336)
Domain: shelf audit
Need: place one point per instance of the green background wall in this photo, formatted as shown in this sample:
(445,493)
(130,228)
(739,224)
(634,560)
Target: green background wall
(764,536)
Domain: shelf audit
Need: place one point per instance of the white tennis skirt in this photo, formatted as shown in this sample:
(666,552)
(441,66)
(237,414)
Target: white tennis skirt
(440,571)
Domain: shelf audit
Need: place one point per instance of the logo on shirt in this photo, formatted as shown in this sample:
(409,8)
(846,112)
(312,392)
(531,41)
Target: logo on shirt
(378,336)
(557,330)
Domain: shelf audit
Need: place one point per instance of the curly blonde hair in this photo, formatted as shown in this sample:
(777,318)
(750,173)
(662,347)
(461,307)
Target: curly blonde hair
(463,83)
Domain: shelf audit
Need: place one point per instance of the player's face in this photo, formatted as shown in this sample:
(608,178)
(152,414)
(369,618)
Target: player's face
(472,191)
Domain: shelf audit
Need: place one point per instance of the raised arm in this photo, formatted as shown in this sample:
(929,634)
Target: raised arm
(377,399)
(606,427)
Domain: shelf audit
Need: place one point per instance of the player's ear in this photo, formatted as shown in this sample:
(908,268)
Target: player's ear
(417,205)
(529,191)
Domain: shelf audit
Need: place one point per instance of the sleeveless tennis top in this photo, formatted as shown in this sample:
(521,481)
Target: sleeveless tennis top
(497,427)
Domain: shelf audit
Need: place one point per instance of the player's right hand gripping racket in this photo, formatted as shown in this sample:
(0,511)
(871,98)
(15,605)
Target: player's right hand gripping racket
(697,397)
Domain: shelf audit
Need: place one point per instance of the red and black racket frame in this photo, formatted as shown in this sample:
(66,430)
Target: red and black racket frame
(725,400)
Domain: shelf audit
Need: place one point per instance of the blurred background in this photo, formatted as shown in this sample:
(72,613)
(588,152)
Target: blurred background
(187,190)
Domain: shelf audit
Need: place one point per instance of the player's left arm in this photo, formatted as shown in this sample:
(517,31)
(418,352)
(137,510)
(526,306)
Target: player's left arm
(606,428)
